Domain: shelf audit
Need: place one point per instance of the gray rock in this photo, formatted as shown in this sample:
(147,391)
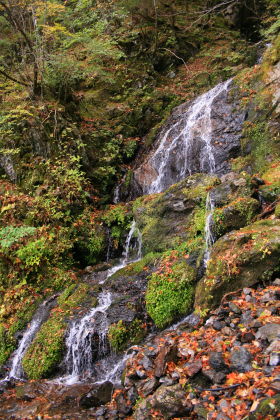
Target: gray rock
(269,332)
(234,308)
(149,386)
(217,362)
(241,359)
(100,395)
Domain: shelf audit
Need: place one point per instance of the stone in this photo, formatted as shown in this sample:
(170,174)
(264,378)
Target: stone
(269,332)
(170,400)
(247,337)
(166,354)
(274,359)
(234,308)
(99,395)
(240,359)
(214,376)
(193,368)
(217,362)
(250,262)
(149,386)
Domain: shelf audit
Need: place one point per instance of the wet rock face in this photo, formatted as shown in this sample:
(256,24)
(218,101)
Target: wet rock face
(199,136)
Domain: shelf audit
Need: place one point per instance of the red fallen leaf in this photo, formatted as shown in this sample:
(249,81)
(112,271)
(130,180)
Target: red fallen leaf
(270,392)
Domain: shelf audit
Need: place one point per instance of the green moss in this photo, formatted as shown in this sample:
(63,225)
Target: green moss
(234,215)
(277,210)
(122,334)
(7,344)
(46,351)
(170,292)
(240,259)
(139,266)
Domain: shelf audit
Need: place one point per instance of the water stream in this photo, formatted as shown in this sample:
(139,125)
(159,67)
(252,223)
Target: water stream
(91,331)
(41,315)
(186,147)
(209,235)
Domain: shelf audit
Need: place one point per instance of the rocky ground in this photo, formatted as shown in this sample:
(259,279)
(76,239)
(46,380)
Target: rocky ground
(225,368)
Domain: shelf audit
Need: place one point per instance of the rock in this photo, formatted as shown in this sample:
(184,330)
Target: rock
(247,337)
(215,377)
(166,354)
(227,117)
(234,308)
(146,363)
(149,386)
(217,325)
(274,359)
(217,362)
(240,359)
(99,395)
(193,368)
(269,332)
(268,408)
(170,400)
(238,260)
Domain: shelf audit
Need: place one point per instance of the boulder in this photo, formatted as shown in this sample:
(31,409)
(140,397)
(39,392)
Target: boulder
(240,259)
(99,395)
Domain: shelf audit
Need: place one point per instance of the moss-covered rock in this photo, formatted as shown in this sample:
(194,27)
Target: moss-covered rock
(167,219)
(46,351)
(240,259)
(268,408)
(122,334)
(270,191)
(234,215)
(170,290)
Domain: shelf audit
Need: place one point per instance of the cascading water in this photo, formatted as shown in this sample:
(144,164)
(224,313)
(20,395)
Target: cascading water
(42,313)
(132,251)
(79,357)
(209,235)
(186,147)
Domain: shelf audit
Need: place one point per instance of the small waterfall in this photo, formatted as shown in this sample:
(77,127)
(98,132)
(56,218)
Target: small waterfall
(116,196)
(132,251)
(209,235)
(79,343)
(186,147)
(78,358)
(40,316)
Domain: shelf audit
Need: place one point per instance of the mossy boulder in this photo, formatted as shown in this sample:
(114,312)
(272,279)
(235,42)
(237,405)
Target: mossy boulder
(167,219)
(270,191)
(234,215)
(268,408)
(170,290)
(240,259)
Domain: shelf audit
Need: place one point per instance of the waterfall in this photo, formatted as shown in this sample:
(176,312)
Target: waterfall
(78,358)
(132,250)
(209,235)
(187,146)
(79,342)
(40,316)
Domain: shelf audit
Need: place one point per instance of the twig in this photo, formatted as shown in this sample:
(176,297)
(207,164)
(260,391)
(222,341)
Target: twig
(230,294)
(218,389)
(269,209)
(175,55)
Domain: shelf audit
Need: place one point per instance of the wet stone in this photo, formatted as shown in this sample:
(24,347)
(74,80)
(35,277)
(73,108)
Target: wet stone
(217,325)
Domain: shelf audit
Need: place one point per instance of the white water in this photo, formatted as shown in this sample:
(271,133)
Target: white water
(132,251)
(173,158)
(209,236)
(40,316)
(79,357)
